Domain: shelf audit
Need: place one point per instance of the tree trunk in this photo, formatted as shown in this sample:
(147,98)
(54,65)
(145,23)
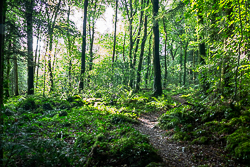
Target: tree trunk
(148,62)
(113,56)
(29,13)
(156,61)
(165,51)
(7,82)
(141,55)
(68,50)
(16,76)
(181,55)
(3,8)
(36,52)
(185,64)
(38,64)
(123,51)
(83,45)
(92,37)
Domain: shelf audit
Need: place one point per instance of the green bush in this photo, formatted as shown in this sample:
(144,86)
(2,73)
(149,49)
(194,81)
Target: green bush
(239,143)
(28,104)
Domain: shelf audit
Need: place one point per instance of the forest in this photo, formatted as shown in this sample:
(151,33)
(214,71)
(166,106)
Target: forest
(125,83)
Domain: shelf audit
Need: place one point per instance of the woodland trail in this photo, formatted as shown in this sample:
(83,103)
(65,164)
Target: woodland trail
(179,154)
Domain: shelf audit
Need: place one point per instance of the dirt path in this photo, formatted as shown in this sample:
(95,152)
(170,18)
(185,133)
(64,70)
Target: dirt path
(180,154)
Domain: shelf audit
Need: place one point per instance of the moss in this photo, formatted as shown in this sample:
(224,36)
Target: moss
(200,140)
(120,118)
(241,135)
(242,151)
(181,136)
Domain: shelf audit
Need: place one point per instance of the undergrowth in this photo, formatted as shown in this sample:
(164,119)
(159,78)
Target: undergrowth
(73,131)
(210,120)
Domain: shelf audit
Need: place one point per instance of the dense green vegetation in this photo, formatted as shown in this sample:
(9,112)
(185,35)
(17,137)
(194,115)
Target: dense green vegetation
(75,78)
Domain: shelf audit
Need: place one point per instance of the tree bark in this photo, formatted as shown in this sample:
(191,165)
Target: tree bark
(16,76)
(7,82)
(29,13)
(165,51)
(68,50)
(38,64)
(113,56)
(148,62)
(156,61)
(123,51)
(181,55)
(83,45)
(3,8)
(185,64)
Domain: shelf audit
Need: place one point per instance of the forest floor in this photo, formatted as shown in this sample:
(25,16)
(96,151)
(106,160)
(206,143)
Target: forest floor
(132,130)
(181,153)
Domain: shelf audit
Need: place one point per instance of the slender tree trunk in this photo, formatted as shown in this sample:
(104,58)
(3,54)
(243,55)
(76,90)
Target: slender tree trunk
(38,64)
(165,60)
(136,48)
(92,37)
(130,17)
(113,56)
(193,64)
(123,51)
(185,64)
(16,76)
(141,55)
(7,82)
(29,13)
(157,66)
(83,45)
(44,74)
(148,62)
(3,8)
(50,62)
(69,47)
(181,55)
(36,52)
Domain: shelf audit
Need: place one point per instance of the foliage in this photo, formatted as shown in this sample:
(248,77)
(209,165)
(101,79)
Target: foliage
(82,135)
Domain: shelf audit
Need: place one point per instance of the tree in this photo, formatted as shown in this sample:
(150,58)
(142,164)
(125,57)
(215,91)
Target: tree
(113,56)
(83,45)
(2,32)
(156,60)
(51,26)
(29,19)
(141,53)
